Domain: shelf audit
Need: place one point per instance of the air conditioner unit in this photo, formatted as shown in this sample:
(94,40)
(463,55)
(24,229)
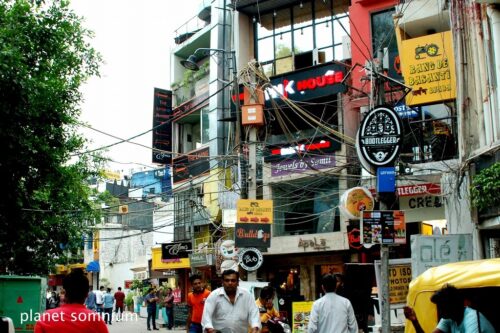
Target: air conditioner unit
(123,209)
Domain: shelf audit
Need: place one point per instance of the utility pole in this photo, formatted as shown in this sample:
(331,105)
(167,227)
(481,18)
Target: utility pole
(384,248)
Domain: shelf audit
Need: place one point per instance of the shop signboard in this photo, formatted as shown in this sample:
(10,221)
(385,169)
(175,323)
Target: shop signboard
(192,164)
(229,218)
(287,167)
(174,251)
(256,235)
(162,126)
(254,211)
(385,227)
(432,251)
(250,259)
(301,311)
(380,137)
(307,84)
(400,275)
(319,148)
(201,259)
(429,68)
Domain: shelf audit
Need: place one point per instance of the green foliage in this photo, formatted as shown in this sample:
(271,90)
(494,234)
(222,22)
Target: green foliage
(45,208)
(129,300)
(136,284)
(485,189)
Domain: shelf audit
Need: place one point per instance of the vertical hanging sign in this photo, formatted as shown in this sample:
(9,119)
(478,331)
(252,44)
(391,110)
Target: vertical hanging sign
(162,126)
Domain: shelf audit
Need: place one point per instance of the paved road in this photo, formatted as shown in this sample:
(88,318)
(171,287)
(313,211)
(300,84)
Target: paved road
(136,324)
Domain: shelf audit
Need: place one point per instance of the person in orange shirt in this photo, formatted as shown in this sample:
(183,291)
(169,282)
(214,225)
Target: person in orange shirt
(196,303)
(266,307)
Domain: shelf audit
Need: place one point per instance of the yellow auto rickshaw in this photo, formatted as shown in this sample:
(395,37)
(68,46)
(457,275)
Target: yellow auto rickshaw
(479,280)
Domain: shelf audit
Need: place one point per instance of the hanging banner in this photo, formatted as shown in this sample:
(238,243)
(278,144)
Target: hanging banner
(162,126)
(429,68)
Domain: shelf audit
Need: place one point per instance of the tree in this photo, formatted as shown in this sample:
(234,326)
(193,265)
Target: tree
(45,205)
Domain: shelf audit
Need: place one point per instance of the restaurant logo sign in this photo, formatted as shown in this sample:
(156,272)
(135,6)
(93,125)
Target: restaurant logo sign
(380,137)
(172,252)
(429,68)
(251,259)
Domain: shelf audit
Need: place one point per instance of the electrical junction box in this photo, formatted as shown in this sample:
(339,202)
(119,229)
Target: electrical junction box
(252,114)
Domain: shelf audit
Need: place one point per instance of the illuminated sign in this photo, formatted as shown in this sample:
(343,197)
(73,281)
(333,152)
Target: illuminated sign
(162,126)
(193,164)
(318,147)
(429,68)
(303,85)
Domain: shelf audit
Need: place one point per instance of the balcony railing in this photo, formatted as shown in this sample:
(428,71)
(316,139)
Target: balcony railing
(188,29)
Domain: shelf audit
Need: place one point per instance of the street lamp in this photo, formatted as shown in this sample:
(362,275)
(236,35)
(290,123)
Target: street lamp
(191,64)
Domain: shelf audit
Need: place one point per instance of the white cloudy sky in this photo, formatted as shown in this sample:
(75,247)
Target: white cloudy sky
(135,39)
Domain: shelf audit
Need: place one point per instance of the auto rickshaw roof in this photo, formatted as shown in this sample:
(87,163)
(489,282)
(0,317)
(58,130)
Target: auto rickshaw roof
(463,275)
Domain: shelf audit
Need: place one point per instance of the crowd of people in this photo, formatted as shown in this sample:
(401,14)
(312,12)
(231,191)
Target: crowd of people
(232,309)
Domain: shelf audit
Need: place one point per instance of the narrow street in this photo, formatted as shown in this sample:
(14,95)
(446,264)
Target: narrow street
(137,324)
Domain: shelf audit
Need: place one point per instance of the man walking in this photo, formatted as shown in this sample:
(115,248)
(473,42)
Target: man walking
(332,313)
(108,301)
(119,298)
(196,302)
(99,300)
(230,308)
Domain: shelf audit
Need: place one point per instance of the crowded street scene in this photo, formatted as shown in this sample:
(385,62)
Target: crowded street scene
(250,166)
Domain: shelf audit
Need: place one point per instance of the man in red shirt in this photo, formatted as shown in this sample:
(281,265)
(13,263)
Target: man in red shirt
(73,316)
(196,303)
(119,298)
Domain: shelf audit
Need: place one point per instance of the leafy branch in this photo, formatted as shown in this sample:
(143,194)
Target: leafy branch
(485,189)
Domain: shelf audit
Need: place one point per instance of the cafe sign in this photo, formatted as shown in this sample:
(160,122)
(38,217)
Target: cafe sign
(251,259)
(429,68)
(173,252)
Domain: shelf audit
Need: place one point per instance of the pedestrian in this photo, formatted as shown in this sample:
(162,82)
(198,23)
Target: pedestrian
(90,300)
(108,301)
(119,306)
(455,316)
(266,308)
(196,302)
(332,313)
(99,300)
(62,297)
(53,301)
(168,302)
(230,308)
(151,299)
(72,316)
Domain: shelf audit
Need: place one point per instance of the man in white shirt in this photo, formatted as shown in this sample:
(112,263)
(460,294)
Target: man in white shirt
(230,308)
(99,300)
(332,313)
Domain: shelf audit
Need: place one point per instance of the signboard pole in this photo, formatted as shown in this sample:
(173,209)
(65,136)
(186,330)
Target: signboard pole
(384,249)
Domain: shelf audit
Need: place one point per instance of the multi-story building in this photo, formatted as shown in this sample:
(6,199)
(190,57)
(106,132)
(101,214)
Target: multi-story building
(317,64)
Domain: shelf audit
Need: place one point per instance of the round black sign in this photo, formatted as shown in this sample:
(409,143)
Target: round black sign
(380,137)
(251,259)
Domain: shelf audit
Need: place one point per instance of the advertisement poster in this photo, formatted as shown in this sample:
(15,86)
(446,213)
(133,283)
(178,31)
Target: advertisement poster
(300,316)
(383,227)
(400,275)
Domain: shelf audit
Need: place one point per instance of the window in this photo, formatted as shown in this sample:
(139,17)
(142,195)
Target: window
(189,213)
(192,131)
(301,36)
(429,133)
(306,207)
